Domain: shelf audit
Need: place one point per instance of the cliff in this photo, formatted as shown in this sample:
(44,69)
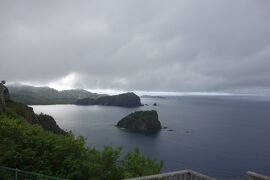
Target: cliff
(144,121)
(125,100)
(4,96)
(45,121)
(2,100)
(15,109)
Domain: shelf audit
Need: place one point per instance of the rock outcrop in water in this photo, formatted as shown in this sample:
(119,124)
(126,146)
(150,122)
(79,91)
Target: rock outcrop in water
(125,100)
(143,121)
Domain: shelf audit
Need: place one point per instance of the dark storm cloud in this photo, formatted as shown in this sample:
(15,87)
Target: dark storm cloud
(202,45)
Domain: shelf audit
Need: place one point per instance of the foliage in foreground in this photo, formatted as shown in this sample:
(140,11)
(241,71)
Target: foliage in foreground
(29,147)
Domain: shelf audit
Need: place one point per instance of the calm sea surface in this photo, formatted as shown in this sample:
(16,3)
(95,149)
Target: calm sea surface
(221,136)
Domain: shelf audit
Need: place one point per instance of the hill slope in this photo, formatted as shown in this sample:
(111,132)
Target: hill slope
(19,110)
(28,142)
(44,95)
(124,100)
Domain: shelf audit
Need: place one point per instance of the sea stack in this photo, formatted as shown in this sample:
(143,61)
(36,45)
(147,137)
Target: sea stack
(141,121)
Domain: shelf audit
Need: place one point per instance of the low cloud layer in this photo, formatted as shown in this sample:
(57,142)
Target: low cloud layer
(181,45)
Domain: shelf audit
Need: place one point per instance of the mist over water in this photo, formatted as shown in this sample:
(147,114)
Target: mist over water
(221,136)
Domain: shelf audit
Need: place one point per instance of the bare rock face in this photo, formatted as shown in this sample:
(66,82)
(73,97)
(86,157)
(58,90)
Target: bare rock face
(4,95)
(45,121)
(48,123)
(143,121)
(2,99)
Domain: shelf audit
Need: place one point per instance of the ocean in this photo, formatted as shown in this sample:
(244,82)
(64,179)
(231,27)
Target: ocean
(220,136)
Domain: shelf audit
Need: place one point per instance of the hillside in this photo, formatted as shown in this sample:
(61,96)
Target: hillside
(44,95)
(35,143)
(124,100)
(19,110)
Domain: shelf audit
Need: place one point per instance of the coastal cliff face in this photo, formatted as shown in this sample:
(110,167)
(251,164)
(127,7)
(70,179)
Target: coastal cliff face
(4,96)
(2,102)
(45,121)
(18,109)
(125,100)
(48,123)
(143,121)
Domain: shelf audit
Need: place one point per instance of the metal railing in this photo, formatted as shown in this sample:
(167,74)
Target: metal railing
(193,175)
(176,175)
(17,174)
(257,176)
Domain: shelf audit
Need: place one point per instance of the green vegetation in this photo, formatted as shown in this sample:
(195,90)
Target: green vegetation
(142,121)
(29,147)
(15,109)
(125,100)
(45,95)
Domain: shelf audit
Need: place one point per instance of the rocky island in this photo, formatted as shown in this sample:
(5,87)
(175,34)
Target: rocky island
(143,121)
(125,100)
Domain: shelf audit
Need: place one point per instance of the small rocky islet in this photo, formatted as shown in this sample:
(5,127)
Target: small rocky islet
(141,121)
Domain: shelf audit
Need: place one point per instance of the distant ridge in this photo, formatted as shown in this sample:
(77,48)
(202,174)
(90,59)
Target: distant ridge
(125,100)
(31,95)
(150,96)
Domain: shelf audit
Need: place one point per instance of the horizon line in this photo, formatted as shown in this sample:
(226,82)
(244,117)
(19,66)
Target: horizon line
(143,92)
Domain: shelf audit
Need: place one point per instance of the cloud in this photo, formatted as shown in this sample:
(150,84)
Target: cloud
(202,45)
(71,81)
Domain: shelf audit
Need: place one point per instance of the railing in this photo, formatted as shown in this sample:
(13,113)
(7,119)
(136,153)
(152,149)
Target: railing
(256,176)
(17,174)
(176,175)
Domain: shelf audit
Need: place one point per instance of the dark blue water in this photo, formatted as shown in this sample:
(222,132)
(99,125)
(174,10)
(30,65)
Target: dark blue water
(221,136)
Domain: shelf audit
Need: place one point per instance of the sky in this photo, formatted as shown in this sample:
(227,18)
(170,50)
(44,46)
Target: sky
(142,45)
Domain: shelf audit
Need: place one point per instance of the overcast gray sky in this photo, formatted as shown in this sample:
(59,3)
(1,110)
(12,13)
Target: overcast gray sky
(149,45)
